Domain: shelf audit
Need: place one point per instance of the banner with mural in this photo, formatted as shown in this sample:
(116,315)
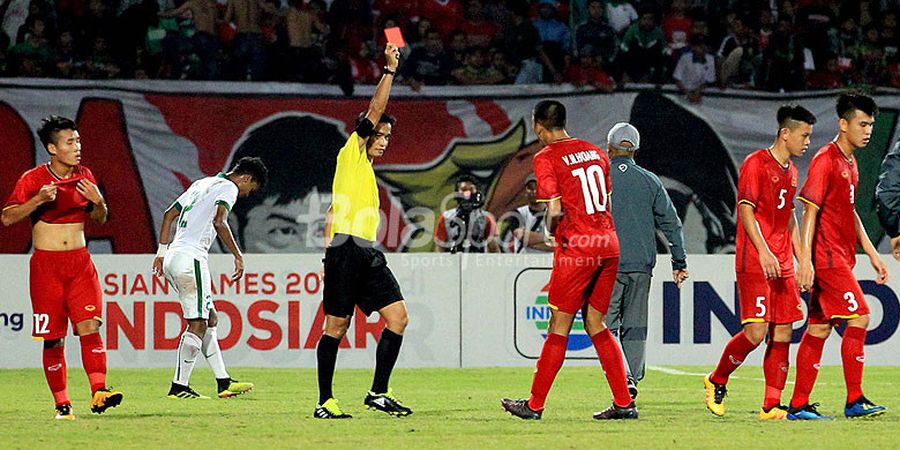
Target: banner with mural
(466,310)
(146,141)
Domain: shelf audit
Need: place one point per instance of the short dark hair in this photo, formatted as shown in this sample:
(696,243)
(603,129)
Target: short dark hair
(385,118)
(795,113)
(253,166)
(51,125)
(465,178)
(849,102)
(551,114)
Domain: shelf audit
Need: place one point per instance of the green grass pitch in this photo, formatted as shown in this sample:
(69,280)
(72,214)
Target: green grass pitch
(454,408)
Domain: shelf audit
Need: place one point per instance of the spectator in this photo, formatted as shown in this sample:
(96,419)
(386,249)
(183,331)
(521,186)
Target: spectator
(101,64)
(248,55)
(468,228)
(588,71)
(363,68)
(477,69)
(739,55)
(595,35)
(458,50)
(478,31)
(445,15)
(869,56)
(428,65)
(695,71)
(828,77)
(527,50)
(620,15)
(502,65)
(205,42)
(64,56)
(784,59)
(766,28)
(305,27)
(32,56)
(642,50)
(554,39)
(677,27)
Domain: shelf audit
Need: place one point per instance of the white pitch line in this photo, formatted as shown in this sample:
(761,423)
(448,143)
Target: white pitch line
(671,371)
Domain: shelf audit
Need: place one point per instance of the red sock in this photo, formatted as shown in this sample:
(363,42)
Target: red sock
(854,356)
(551,360)
(93,358)
(613,366)
(733,356)
(775,367)
(55,372)
(809,355)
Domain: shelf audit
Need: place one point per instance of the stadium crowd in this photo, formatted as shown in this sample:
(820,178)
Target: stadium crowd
(758,44)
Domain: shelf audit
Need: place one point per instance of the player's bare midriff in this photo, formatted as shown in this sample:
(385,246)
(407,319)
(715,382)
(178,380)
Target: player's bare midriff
(57,237)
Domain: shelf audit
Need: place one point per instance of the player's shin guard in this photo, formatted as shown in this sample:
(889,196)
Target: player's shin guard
(93,358)
(326,358)
(385,357)
(733,356)
(188,350)
(853,355)
(809,355)
(213,354)
(55,372)
(553,353)
(613,366)
(775,368)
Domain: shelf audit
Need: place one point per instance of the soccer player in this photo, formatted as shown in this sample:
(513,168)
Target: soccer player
(200,214)
(59,197)
(355,273)
(768,294)
(573,178)
(829,231)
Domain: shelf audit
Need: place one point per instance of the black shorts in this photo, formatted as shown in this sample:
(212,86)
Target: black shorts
(357,275)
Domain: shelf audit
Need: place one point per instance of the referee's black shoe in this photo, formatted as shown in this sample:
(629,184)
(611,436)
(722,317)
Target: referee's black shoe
(330,410)
(520,409)
(617,412)
(387,403)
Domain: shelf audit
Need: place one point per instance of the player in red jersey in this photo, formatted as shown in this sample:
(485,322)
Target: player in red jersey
(768,294)
(573,178)
(59,197)
(829,231)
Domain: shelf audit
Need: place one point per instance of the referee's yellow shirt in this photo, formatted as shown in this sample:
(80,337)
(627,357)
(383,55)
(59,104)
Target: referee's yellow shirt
(355,205)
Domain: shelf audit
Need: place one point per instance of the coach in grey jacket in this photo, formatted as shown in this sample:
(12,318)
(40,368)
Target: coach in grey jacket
(640,206)
(887,198)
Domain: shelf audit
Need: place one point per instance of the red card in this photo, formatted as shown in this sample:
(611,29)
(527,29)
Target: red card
(394,36)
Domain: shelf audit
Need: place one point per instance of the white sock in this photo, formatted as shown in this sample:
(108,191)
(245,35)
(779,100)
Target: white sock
(213,353)
(188,350)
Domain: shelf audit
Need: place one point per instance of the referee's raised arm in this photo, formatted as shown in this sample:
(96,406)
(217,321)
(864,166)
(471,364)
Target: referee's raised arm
(379,101)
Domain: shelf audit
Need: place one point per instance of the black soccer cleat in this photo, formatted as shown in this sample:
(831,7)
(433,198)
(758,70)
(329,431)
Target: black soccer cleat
(615,412)
(386,403)
(179,391)
(520,409)
(105,398)
(330,410)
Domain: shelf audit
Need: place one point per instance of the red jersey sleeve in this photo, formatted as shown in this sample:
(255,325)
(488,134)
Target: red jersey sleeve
(816,184)
(749,183)
(25,189)
(89,175)
(547,187)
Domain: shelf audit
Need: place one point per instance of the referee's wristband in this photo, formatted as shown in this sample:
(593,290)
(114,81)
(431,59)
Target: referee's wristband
(161,250)
(679,264)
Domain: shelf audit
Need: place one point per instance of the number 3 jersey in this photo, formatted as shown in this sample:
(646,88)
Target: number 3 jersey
(194,232)
(577,173)
(831,187)
(768,187)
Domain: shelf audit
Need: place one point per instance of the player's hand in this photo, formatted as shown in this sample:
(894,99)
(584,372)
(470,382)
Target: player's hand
(805,276)
(392,56)
(518,233)
(47,193)
(157,266)
(770,266)
(90,191)
(895,247)
(679,276)
(238,268)
(881,269)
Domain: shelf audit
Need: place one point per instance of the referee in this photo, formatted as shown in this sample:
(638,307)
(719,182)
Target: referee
(640,206)
(355,273)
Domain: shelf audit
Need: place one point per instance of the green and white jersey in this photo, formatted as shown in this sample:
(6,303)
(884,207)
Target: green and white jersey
(194,232)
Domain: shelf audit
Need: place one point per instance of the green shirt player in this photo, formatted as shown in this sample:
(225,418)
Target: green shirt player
(355,273)
(199,215)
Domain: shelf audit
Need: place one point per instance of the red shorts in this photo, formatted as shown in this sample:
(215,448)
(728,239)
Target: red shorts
(836,295)
(64,287)
(772,301)
(579,280)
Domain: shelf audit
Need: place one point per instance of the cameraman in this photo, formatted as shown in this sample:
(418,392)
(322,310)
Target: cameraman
(468,228)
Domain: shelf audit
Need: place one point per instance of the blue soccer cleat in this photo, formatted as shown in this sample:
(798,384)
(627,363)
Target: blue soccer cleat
(863,407)
(806,412)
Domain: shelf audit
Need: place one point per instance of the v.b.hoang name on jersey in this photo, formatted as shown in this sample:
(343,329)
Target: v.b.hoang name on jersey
(581,157)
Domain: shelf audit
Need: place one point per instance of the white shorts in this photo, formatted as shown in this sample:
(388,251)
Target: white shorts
(190,278)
